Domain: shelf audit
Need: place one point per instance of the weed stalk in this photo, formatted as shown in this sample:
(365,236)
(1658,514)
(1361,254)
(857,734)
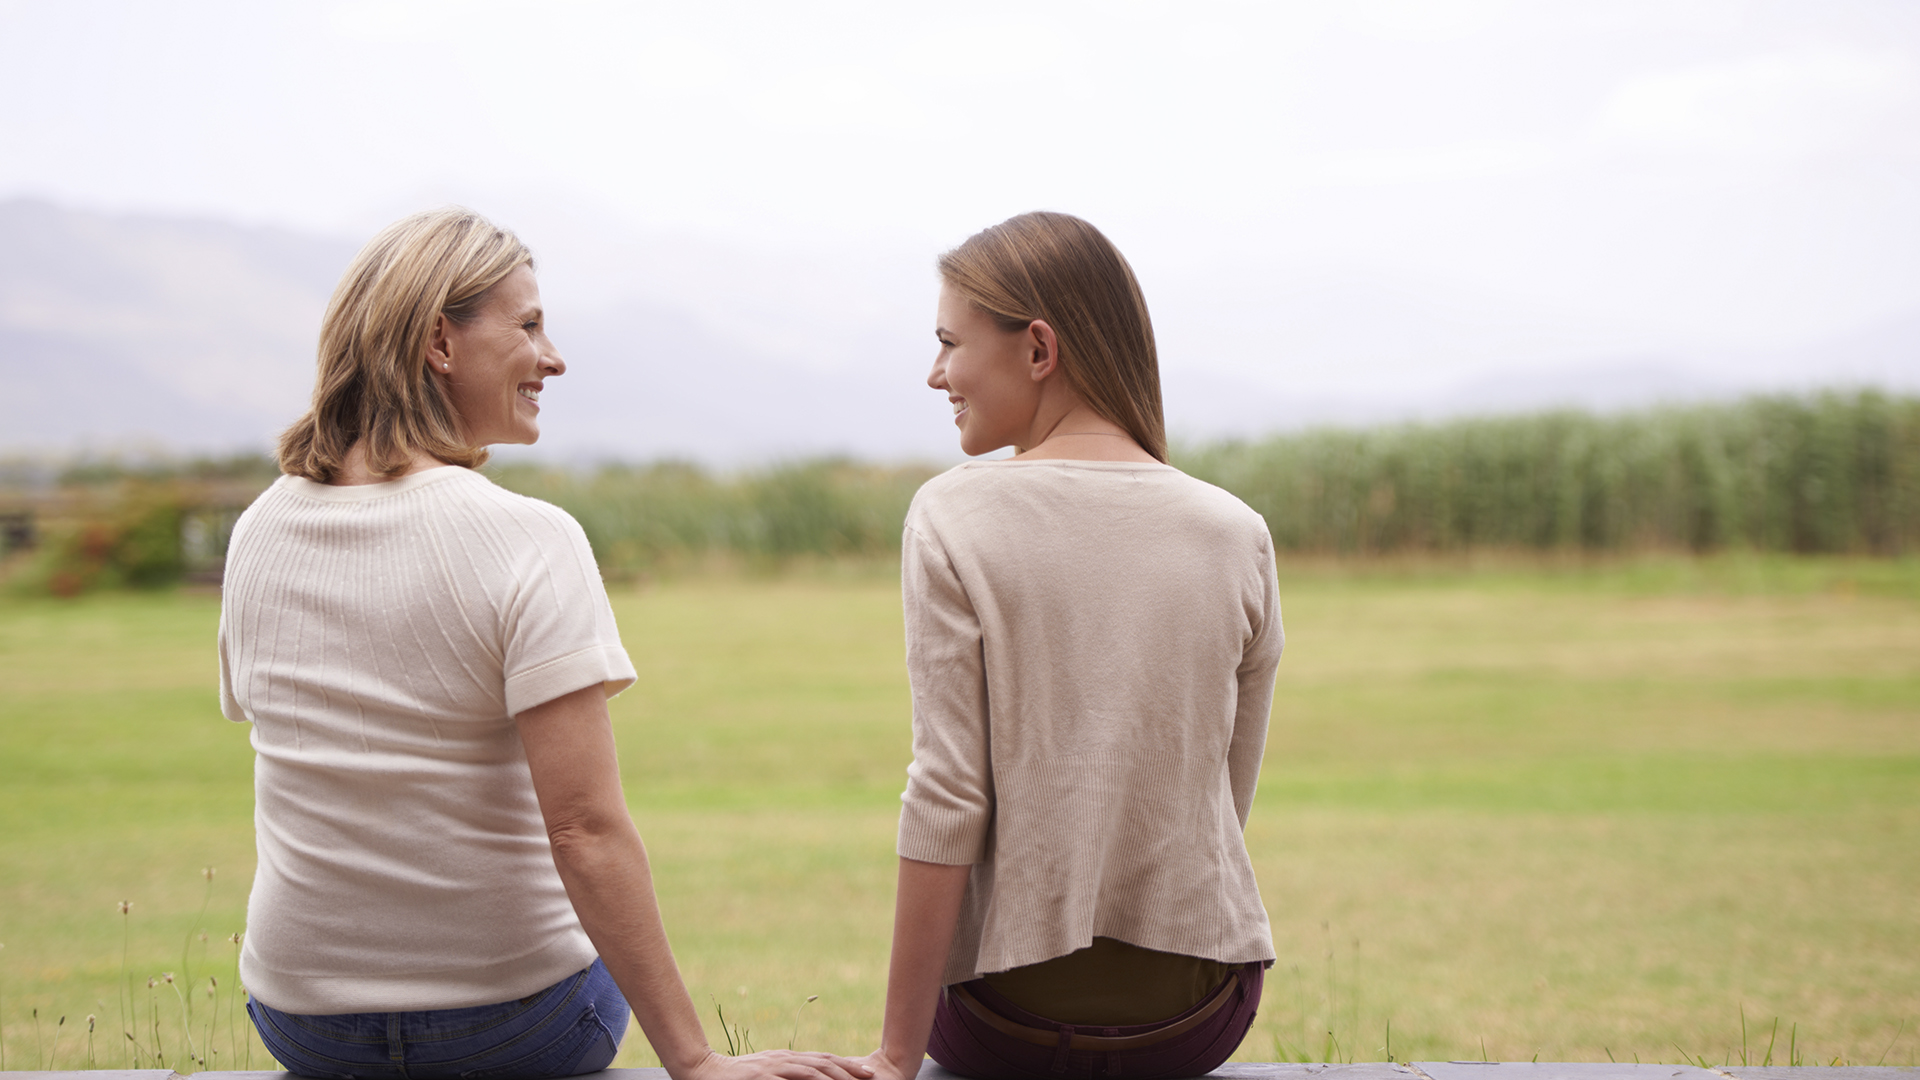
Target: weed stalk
(186,1016)
(123,995)
(791,1039)
(59,1029)
(733,1049)
(186,950)
(1896,1038)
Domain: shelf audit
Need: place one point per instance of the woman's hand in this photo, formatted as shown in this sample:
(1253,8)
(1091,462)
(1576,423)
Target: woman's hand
(885,1068)
(787,1064)
(603,864)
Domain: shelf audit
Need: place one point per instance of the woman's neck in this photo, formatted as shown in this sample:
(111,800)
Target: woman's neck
(1080,434)
(354,471)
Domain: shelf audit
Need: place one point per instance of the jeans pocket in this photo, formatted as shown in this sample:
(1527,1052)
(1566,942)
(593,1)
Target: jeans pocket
(586,1046)
(295,1057)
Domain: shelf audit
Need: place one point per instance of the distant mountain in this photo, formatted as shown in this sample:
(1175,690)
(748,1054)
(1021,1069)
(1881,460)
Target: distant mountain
(130,333)
(647,381)
(127,333)
(120,331)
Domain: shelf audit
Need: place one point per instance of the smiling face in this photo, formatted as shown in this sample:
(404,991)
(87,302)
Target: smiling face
(496,363)
(988,375)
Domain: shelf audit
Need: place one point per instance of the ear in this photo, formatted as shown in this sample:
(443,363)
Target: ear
(1043,355)
(439,346)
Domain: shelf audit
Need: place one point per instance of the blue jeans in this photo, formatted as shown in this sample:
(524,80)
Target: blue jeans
(571,1027)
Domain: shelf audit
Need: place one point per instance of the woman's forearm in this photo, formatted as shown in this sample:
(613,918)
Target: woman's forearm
(603,865)
(926,910)
(611,885)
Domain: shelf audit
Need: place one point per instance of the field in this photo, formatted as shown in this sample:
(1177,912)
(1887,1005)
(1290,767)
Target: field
(1512,808)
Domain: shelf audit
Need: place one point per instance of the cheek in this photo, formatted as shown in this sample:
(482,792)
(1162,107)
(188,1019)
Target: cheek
(973,377)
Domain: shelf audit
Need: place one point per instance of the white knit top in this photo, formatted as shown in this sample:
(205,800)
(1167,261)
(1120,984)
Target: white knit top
(1092,648)
(380,639)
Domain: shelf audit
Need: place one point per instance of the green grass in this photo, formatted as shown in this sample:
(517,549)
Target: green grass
(1565,808)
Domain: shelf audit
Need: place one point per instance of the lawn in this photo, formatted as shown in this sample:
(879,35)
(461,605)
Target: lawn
(1508,808)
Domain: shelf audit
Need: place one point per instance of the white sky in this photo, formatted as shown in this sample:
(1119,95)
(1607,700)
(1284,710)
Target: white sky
(1539,184)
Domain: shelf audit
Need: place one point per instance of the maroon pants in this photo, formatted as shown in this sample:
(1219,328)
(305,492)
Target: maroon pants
(980,1034)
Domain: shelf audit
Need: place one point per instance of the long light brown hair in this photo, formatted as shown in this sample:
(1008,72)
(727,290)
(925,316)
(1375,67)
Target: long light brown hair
(373,384)
(1059,269)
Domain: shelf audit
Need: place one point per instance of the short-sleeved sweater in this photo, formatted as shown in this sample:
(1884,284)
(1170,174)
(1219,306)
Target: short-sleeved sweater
(1092,648)
(380,639)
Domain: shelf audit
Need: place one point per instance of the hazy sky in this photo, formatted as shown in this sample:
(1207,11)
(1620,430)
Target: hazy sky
(1510,185)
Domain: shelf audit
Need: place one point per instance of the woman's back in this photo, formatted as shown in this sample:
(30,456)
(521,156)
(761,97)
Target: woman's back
(1092,645)
(380,638)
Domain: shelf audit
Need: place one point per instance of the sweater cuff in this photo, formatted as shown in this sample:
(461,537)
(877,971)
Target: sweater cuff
(947,837)
(605,664)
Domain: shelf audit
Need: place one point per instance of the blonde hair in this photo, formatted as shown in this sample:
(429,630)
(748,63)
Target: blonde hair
(373,385)
(1059,269)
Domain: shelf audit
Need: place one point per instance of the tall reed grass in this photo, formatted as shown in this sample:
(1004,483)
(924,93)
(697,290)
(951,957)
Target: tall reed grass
(1833,473)
(641,518)
(1828,473)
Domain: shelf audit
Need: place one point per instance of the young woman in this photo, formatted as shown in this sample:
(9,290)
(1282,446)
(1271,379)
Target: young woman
(449,884)
(1092,637)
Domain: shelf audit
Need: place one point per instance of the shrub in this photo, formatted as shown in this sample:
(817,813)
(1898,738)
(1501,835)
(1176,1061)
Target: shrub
(135,543)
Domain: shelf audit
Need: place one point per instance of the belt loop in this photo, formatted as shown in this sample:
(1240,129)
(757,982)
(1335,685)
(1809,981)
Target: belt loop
(396,1043)
(1060,1054)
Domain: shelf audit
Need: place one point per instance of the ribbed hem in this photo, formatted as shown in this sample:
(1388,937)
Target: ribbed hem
(331,995)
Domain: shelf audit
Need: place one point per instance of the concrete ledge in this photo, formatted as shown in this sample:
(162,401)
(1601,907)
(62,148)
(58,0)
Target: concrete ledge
(1824,1072)
(1821,1071)
(1281,1070)
(1526,1070)
(100,1074)
(1260,1070)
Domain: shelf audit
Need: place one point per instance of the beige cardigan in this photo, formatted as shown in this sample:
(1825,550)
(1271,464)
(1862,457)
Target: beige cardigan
(1092,648)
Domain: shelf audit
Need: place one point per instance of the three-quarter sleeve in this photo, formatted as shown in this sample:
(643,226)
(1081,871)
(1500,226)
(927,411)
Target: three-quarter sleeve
(948,804)
(1253,702)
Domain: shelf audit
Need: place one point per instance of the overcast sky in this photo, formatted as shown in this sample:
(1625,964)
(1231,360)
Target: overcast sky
(1511,186)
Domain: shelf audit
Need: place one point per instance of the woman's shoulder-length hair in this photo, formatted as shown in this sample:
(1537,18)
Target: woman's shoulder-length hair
(373,385)
(1060,269)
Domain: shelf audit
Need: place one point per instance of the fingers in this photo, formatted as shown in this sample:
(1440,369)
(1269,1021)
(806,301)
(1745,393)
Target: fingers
(811,1065)
(834,1067)
(840,1068)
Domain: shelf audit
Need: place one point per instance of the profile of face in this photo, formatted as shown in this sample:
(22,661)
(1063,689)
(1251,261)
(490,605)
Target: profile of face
(994,378)
(496,363)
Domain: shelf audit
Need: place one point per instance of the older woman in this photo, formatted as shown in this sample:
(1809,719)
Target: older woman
(449,883)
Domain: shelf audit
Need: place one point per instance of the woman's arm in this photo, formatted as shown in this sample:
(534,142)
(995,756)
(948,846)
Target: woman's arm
(1254,693)
(602,862)
(926,909)
(948,806)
